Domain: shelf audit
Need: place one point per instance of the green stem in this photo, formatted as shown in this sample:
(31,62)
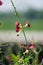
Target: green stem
(16,13)
(25,37)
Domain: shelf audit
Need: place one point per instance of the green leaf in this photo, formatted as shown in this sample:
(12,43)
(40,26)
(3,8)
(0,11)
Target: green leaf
(14,58)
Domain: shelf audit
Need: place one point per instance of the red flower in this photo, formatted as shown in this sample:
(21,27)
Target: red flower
(27,23)
(17,26)
(28,46)
(1,3)
(17,29)
(32,46)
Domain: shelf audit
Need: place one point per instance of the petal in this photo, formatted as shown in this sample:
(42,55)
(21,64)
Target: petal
(32,46)
(17,24)
(1,3)
(27,47)
(17,30)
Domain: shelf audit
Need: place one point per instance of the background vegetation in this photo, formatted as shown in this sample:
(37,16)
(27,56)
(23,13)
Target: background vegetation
(7,20)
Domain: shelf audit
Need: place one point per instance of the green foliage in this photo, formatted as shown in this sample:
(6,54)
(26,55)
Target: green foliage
(41,62)
(14,58)
(24,59)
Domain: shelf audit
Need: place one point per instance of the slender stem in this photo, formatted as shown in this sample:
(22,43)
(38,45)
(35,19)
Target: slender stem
(16,13)
(25,37)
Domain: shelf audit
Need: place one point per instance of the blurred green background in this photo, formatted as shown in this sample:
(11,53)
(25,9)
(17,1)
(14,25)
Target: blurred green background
(8,20)
(34,15)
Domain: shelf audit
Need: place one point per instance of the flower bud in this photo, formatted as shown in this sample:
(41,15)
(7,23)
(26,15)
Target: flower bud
(17,27)
(27,24)
(17,24)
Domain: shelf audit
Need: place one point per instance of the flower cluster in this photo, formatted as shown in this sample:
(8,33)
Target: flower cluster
(19,26)
(1,3)
(27,52)
(27,47)
(31,46)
